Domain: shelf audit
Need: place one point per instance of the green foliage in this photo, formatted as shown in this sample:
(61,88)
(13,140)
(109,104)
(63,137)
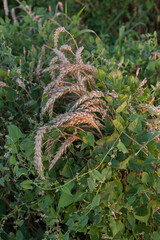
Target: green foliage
(102,188)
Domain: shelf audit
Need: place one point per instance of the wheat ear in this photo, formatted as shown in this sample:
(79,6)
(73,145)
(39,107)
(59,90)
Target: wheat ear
(2,84)
(58,93)
(78,55)
(61,56)
(38,150)
(61,150)
(56,35)
(86,97)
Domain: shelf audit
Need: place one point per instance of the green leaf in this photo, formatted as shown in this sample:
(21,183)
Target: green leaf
(65,200)
(116,227)
(90,184)
(19,235)
(151,136)
(95,202)
(97,175)
(2,182)
(65,189)
(3,73)
(136,126)
(156,236)
(26,184)
(89,139)
(15,133)
(121,147)
(83,220)
(76,17)
(124,163)
(145,177)
(118,125)
(151,66)
(107,173)
(100,74)
(142,213)
(122,107)
(12,160)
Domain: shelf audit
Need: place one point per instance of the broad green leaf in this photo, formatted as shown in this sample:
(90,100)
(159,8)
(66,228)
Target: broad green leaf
(95,202)
(136,126)
(90,184)
(83,220)
(65,189)
(89,139)
(26,184)
(151,66)
(122,107)
(100,74)
(12,160)
(156,236)
(124,163)
(117,227)
(121,147)
(108,140)
(65,200)
(15,133)
(131,219)
(119,123)
(145,177)
(28,146)
(19,235)
(142,213)
(131,200)
(48,200)
(107,173)
(151,136)
(97,175)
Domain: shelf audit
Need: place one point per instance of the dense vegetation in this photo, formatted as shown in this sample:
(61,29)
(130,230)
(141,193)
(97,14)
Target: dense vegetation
(106,183)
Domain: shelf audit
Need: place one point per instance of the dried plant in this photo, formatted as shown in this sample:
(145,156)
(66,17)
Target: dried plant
(76,80)
(2,84)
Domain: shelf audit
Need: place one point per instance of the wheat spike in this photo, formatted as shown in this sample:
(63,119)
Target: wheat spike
(51,68)
(38,151)
(78,55)
(66,48)
(61,56)
(68,77)
(20,83)
(56,35)
(61,150)
(86,97)
(58,93)
(2,84)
